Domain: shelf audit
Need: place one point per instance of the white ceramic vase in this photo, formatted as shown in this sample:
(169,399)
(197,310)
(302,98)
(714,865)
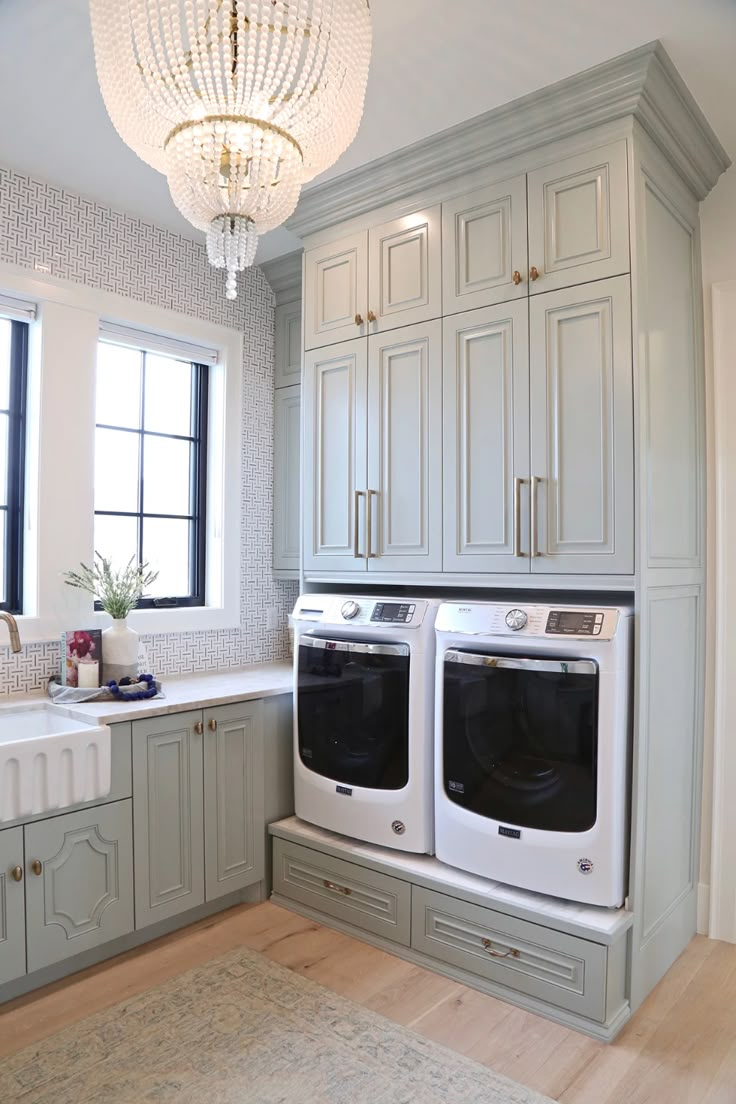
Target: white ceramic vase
(119,651)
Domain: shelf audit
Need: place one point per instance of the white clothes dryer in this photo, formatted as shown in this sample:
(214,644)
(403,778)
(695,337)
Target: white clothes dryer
(364,717)
(532,745)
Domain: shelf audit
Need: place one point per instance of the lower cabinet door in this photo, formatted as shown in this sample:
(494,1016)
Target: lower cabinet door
(234,819)
(168,816)
(79,882)
(12,906)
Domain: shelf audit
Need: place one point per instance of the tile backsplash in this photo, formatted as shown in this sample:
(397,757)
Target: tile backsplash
(79,240)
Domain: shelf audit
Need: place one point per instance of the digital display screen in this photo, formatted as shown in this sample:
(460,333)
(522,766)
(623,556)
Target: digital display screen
(571,620)
(390,609)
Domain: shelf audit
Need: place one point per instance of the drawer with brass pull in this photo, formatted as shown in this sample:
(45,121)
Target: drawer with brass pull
(529,958)
(366,898)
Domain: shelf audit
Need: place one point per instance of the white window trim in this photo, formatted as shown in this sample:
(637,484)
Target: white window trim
(59,526)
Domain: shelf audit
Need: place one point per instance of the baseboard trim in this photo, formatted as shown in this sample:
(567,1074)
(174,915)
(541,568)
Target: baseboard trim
(703,908)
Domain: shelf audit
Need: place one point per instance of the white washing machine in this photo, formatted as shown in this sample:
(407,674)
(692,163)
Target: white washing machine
(532,744)
(364,717)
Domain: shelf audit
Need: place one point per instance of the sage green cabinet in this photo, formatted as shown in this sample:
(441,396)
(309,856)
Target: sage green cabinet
(12,906)
(168,816)
(233,798)
(79,882)
(198,808)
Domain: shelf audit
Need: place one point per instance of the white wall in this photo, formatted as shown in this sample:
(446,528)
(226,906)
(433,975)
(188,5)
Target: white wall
(718,228)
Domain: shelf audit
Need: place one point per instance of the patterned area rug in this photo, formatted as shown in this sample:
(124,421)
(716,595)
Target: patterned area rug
(244,1030)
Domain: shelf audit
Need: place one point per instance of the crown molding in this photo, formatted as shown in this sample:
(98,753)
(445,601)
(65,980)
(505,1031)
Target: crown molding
(642,83)
(284,274)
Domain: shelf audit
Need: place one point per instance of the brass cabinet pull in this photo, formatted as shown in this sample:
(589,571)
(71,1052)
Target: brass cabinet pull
(212,724)
(17,873)
(198,728)
(358,555)
(517,277)
(337,888)
(533,273)
(535,481)
(372,316)
(518,484)
(36,867)
(369,553)
(359,320)
(510,953)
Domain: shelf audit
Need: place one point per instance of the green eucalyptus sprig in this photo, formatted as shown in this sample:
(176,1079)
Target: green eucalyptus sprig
(117,591)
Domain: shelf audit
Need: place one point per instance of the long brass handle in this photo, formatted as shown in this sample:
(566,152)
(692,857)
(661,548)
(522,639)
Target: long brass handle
(212,724)
(337,888)
(510,953)
(356,526)
(372,316)
(359,320)
(533,273)
(518,484)
(535,481)
(36,867)
(17,873)
(370,554)
(198,728)
(516,278)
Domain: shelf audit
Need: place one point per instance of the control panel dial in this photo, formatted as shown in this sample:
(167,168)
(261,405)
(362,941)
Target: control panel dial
(516,619)
(349,610)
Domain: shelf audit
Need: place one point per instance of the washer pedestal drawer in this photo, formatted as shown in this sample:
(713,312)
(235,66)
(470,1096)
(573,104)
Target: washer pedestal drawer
(366,898)
(529,958)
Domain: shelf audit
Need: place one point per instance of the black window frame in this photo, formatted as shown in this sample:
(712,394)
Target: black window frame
(15,508)
(197,483)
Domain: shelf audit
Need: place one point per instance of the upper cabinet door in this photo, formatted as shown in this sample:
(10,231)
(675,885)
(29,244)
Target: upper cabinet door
(486,440)
(336,292)
(485,247)
(334,479)
(405,271)
(404,450)
(288,344)
(582,430)
(579,219)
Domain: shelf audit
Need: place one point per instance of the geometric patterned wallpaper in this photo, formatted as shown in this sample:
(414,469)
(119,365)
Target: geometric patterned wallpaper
(90,244)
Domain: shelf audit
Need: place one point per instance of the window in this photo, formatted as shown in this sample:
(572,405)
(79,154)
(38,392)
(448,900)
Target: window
(150,461)
(13,369)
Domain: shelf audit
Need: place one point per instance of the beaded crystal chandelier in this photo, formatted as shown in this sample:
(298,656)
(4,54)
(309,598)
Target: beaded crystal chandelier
(237,102)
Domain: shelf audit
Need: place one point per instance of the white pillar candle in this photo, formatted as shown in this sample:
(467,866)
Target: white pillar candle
(88,675)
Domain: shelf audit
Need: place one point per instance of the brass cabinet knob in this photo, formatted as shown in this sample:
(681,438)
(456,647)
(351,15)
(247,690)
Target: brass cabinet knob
(17,873)
(212,724)
(359,320)
(198,728)
(36,867)
(372,316)
(517,277)
(533,273)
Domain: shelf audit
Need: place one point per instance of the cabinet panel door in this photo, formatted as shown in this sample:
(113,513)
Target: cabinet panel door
(334,397)
(83,894)
(579,218)
(405,449)
(286,477)
(405,270)
(484,239)
(234,823)
(288,344)
(168,816)
(582,429)
(486,439)
(12,906)
(335,291)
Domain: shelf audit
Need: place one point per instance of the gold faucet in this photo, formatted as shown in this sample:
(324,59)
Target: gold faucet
(12,629)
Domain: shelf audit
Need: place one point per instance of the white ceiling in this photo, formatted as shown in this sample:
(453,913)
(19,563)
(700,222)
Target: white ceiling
(435,63)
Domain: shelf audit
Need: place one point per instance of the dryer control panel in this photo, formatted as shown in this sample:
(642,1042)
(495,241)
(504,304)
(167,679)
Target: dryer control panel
(497,619)
(361,609)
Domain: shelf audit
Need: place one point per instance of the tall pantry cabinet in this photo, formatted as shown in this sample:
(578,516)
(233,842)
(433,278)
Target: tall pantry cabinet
(503,387)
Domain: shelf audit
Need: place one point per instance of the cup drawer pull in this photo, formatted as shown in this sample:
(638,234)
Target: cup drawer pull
(512,952)
(337,888)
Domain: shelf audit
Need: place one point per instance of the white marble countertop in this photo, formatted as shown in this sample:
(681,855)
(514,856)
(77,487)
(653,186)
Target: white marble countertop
(233,684)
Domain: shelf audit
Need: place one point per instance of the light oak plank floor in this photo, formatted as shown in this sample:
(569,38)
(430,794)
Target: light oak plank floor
(680,1047)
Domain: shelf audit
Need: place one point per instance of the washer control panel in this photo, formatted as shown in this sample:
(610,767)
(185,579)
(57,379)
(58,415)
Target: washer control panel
(502,619)
(574,623)
(361,610)
(393,613)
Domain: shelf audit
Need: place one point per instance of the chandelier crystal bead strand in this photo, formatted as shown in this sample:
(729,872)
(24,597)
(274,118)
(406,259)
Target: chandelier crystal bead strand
(237,102)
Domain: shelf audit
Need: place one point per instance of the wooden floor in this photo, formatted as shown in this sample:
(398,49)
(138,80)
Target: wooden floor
(680,1047)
